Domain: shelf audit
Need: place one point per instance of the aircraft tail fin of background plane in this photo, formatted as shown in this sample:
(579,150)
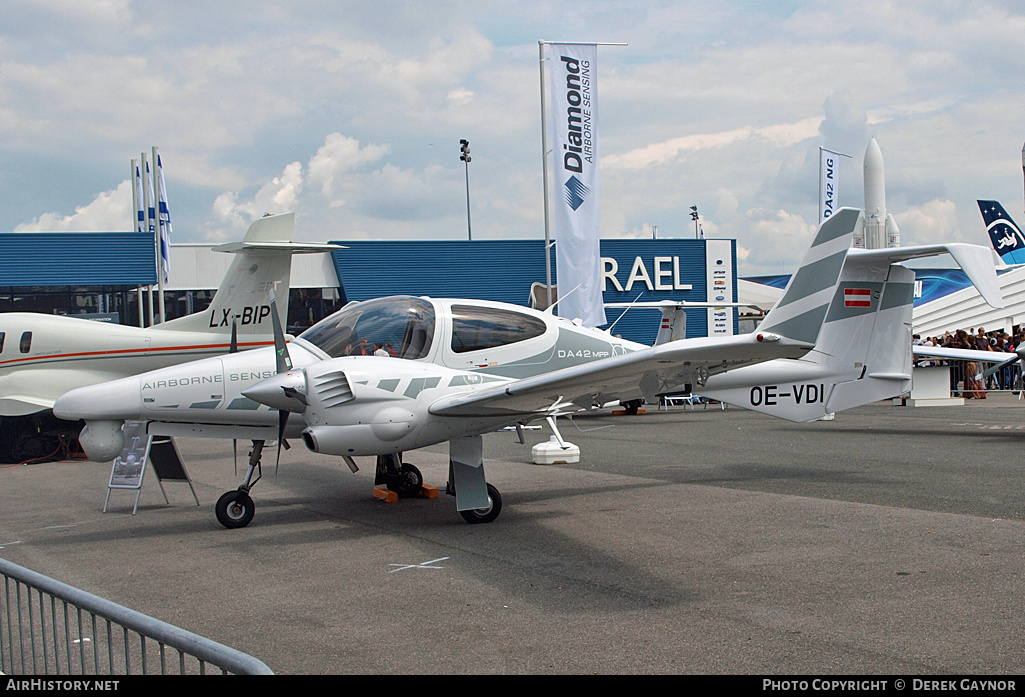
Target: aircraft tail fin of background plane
(262,263)
(1004,233)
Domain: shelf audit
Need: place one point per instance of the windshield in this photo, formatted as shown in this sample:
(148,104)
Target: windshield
(401,326)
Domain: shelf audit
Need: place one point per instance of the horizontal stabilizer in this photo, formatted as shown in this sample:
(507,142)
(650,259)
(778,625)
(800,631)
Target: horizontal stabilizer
(976,261)
(293,247)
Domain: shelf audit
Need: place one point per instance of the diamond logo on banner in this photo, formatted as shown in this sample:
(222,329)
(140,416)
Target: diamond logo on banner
(576,193)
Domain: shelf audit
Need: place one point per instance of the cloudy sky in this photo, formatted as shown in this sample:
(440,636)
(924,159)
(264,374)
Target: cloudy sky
(350,114)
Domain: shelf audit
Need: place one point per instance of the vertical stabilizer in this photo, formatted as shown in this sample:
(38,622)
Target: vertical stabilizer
(262,263)
(800,312)
(1004,233)
(863,352)
(673,325)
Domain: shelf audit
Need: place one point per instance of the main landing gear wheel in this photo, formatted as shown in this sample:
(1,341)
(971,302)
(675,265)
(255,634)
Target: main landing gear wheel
(408,482)
(485,515)
(235,509)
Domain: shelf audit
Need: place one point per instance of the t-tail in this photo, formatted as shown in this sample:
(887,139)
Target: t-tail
(262,263)
(1004,233)
(863,352)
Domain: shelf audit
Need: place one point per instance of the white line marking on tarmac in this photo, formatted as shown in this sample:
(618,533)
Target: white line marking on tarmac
(423,565)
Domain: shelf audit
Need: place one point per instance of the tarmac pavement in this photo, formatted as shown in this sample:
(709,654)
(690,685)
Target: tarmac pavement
(885,542)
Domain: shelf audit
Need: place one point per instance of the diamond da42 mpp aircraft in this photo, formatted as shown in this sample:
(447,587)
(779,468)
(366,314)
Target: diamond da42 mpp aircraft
(45,356)
(839,337)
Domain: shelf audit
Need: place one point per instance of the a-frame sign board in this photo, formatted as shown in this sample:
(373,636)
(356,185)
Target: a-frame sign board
(130,466)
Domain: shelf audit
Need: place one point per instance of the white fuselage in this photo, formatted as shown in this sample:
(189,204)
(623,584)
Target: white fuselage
(207,395)
(43,356)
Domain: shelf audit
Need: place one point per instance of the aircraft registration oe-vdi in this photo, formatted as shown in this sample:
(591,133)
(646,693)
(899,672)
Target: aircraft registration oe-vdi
(839,337)
(45,356)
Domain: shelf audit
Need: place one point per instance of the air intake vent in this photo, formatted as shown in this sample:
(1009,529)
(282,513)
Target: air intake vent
(333,389)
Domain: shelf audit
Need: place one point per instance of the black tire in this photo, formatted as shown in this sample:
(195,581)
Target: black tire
(632,407)
(408,482)
(485,515)
(235,509)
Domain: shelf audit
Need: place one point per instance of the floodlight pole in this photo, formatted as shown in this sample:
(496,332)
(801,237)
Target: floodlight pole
(465,157)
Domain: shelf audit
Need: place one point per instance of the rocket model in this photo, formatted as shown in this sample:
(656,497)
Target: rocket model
(878,229)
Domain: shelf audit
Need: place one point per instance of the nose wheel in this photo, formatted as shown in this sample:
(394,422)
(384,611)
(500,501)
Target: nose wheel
(235,509)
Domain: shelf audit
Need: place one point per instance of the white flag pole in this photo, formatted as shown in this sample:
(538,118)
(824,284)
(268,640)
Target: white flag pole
(147,197)
(163,216)
(135,195)
(158,236)
(137,222)
(544,171)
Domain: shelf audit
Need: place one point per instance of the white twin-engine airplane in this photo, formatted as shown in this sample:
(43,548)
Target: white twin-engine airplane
(840,336)
(45,356)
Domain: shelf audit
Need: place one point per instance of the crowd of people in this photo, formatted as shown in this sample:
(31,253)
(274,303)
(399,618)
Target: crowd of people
(964,375)
(365,348)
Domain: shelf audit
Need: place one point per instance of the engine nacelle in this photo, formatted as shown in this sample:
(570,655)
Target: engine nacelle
(357,439)
(102,441)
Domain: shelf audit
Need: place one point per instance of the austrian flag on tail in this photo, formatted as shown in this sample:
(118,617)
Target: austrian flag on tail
(857,297)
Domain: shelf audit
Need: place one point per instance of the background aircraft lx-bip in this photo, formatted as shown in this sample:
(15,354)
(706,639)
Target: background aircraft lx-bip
(840,336)
(44,356)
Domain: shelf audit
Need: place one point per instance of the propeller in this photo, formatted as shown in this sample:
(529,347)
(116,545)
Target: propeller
(284,391)
(283,363)
(1019,355)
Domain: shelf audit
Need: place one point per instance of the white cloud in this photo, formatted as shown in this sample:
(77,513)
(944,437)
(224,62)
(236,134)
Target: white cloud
(354,121)
(930,223)
(279,195)
(109,211)
(338,156)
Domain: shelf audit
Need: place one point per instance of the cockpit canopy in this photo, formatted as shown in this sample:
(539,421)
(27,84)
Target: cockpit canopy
(403,325)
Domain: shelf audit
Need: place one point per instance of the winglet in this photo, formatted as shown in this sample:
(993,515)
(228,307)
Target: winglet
(800,312)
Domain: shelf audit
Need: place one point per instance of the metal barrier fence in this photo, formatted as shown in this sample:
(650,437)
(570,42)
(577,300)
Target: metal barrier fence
(1008,379)
(48,627)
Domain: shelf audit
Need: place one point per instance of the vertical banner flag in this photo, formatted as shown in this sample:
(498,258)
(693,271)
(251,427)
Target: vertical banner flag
(140,214)
(574,88)
(163,220)
(151,217)
(828,181)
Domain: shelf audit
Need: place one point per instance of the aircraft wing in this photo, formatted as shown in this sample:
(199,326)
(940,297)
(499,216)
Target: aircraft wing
(22,405)
(962,354)
(644,372)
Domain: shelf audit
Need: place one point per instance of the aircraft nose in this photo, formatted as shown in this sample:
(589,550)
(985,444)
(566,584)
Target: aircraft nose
(284,391)
(116,400)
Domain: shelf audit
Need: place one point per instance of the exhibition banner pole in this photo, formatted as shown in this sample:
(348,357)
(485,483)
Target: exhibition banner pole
(573,83)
